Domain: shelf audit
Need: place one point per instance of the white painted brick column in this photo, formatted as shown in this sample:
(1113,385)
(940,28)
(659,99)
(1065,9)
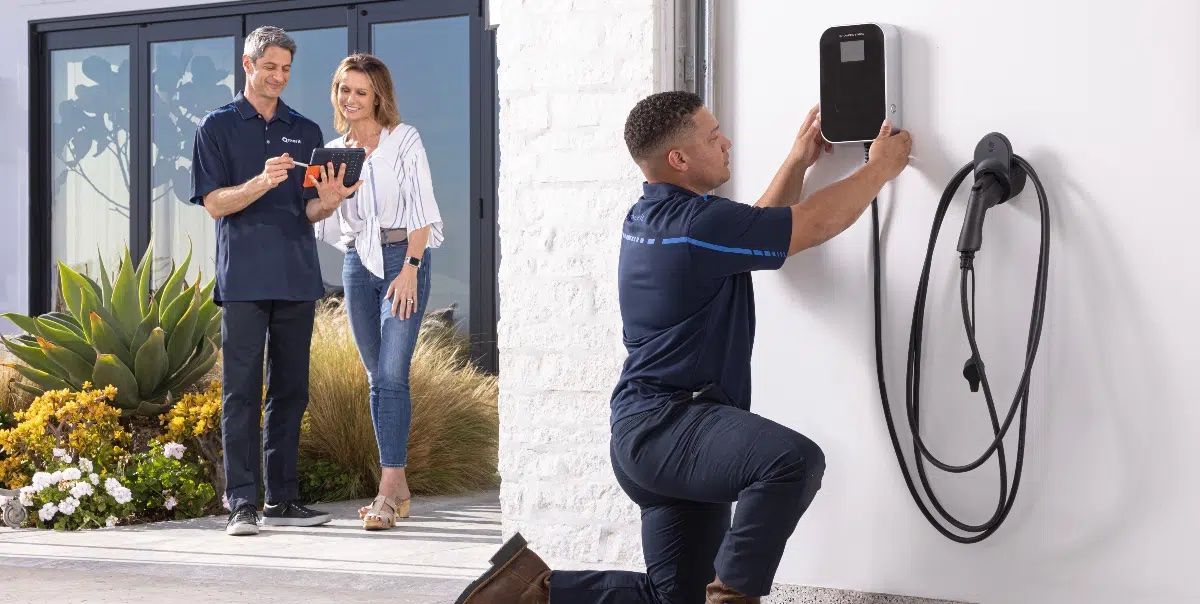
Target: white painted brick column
(569,72)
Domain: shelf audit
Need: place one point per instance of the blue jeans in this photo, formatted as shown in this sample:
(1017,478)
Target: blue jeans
(385,344)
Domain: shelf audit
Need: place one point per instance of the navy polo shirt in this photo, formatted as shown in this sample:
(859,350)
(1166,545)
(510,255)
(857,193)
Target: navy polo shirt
(686,296)
(267,251)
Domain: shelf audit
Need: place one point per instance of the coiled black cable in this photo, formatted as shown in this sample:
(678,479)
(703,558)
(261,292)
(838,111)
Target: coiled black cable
(1008,494)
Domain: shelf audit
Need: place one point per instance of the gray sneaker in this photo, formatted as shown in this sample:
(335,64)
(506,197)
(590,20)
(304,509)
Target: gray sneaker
(290,513)
(242,521)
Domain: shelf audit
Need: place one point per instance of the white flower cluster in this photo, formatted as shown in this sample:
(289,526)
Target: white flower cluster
(81,490)
(62,454)
(45,480)
(68,506)
(174,450)
(42,480)
(79,482)
(119,492)
(26,496)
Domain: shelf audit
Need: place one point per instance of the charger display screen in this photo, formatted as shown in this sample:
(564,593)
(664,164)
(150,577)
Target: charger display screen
(854,50)
(853,95)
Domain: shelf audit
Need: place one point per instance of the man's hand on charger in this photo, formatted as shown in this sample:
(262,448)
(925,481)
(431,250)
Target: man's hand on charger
(809,144)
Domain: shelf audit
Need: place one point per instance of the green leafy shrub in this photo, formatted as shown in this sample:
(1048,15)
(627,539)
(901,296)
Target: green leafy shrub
(116,333)
(165,486)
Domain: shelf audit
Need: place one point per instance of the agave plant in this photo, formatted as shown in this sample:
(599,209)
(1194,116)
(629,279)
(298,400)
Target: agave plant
(118,333)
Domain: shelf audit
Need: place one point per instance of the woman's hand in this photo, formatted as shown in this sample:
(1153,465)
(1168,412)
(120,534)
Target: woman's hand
(330,188)
(403,293)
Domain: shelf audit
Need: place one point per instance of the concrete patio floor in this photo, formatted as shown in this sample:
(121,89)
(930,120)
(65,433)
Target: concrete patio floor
(427,559)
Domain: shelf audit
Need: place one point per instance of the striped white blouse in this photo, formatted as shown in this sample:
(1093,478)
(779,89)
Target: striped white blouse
(397,192)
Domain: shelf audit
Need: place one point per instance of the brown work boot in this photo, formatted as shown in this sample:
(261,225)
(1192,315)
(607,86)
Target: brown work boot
(720,593)
(517,576)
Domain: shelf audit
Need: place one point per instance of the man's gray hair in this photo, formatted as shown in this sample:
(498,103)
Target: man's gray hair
(268,35)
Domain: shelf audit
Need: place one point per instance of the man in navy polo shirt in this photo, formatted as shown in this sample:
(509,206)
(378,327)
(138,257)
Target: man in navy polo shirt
(268,278)
(684,443)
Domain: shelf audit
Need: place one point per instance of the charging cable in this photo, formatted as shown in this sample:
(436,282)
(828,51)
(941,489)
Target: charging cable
(999,176)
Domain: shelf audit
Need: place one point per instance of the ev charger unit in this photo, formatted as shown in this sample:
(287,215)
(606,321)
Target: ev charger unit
(860,87)
(860,81)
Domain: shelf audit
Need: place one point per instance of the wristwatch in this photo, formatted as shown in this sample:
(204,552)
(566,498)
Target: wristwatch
(416,262)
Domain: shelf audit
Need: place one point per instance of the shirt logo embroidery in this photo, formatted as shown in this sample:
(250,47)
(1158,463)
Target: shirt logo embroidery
(290,140)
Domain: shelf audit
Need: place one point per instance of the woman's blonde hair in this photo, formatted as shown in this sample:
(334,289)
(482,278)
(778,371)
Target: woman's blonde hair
(386,112)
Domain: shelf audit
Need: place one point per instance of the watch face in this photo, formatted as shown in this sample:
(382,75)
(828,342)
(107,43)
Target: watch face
(414,261)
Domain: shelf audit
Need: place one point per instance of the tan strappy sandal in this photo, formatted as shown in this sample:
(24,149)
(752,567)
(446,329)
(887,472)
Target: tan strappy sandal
(383,512)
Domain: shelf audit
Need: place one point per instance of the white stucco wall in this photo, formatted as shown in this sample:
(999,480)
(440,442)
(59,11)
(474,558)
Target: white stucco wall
(568,74)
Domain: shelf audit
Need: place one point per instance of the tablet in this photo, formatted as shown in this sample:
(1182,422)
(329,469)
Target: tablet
(353,158)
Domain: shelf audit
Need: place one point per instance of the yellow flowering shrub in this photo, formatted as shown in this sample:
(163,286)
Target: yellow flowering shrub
(196,415)
(84,424)
(195,420)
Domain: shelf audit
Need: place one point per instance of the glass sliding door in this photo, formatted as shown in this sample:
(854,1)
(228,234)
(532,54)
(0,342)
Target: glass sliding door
(188,78)
(431,67)
(90,194)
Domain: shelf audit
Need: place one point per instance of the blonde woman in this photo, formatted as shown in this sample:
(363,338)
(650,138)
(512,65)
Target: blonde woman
(386,230)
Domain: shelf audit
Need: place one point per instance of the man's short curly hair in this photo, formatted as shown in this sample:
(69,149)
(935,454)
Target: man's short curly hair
(657,120)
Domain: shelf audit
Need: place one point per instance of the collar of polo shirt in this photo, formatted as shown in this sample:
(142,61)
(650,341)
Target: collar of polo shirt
(248,112)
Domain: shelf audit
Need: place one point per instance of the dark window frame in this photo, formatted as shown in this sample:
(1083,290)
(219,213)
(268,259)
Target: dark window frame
(139,29)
